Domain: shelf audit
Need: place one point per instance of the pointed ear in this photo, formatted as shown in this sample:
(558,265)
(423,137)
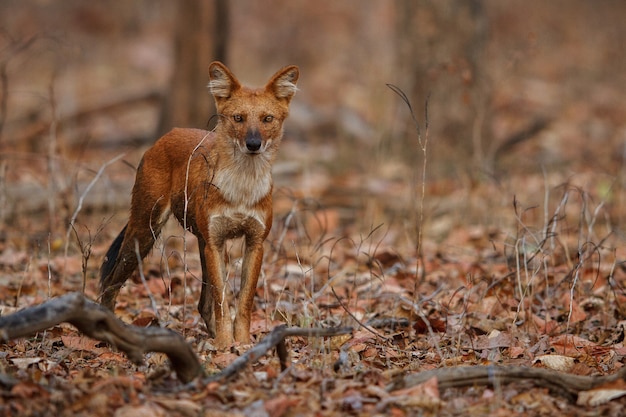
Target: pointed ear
(283,83)
(222,83)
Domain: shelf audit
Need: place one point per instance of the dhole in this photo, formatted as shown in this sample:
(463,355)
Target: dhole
(219,186)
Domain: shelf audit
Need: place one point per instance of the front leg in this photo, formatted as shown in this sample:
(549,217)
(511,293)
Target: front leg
(213,300)
(250,270)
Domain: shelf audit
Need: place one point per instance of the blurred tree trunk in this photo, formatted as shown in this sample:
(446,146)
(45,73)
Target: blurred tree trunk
(440,52)
(201,36)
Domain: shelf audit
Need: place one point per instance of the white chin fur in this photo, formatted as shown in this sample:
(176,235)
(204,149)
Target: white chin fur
(262,149)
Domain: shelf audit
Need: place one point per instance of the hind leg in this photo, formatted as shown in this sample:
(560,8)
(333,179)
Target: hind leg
(205,304)
(122,259)
(133,248)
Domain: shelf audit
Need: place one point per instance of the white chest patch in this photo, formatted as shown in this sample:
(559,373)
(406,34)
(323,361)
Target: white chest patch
(245,184)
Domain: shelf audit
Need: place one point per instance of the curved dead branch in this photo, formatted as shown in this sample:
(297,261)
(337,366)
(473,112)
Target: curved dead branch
(566,385)
(99,323)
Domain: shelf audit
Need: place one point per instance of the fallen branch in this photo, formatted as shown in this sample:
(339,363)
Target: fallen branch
(99,323)
(566,385)
(276,338)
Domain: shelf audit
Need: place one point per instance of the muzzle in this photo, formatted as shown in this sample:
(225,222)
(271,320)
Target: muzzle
(253,140)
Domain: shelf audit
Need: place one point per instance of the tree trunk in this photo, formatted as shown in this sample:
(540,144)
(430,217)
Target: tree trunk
(201,37)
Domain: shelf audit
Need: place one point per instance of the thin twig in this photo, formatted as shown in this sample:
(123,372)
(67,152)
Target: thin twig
(424,147)
(369,329)
(185,229)
(81,200)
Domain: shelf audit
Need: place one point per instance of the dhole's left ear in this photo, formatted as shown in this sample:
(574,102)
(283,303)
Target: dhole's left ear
(283,83)
(222,82)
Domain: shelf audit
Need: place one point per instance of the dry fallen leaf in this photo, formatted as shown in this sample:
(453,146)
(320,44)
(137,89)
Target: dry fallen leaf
(222,360)
(179,407)
(144,410)
(81,343)
(425,395)
(557,362)
(23,363)
(602,394)
(278,406)
(28,390)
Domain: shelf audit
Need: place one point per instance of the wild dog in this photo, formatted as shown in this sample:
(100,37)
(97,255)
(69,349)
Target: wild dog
(218,185)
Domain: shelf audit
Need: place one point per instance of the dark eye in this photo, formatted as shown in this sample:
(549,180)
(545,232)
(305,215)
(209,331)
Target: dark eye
(238,118)
(268,119)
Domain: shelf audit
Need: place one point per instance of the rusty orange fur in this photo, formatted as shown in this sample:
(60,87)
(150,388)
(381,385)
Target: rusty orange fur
(219,186)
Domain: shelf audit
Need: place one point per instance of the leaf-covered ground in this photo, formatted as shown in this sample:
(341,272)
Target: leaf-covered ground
(549,296)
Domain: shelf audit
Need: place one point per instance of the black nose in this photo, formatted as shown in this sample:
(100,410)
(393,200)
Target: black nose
(253,141)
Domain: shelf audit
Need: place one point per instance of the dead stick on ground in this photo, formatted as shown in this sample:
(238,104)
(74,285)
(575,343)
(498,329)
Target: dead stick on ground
(99,323)
(566,385)
(276,338)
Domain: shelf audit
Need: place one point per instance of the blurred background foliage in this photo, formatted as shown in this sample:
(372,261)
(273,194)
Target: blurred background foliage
(521,96)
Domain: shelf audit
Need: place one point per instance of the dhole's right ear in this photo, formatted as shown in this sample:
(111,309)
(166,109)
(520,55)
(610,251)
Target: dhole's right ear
(283,83)
(222,83)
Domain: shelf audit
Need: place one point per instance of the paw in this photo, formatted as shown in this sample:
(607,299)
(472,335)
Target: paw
(223,340)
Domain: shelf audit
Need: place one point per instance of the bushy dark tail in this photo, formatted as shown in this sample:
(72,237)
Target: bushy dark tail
(111,257)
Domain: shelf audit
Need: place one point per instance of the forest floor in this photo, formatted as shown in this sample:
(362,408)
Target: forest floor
(544,290)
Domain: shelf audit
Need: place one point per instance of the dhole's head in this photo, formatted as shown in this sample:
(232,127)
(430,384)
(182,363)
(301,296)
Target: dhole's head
(252,118)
